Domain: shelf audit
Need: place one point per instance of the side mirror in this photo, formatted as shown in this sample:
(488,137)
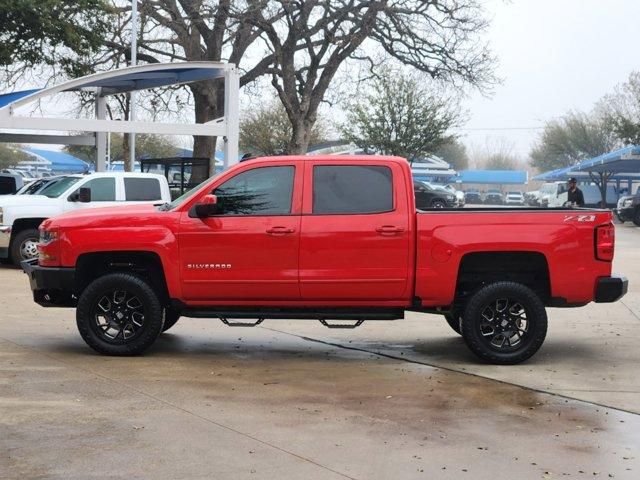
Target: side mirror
(84,195)
(207,207)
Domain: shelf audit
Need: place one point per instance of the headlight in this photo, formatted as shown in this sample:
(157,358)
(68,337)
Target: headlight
(48,236)
(626,203)
(451,197)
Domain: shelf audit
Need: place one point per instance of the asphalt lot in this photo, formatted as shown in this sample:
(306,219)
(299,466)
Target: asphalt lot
(398,400)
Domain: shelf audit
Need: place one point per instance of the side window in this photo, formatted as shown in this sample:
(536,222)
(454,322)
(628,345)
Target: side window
(102,189)
(261,191)
(352,189)
(141,189)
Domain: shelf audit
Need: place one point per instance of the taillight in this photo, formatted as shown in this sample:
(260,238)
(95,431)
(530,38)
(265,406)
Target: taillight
(605,242)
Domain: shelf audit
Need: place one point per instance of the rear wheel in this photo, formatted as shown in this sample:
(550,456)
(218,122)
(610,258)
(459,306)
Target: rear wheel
(24,245)
(119,314)
(504,323)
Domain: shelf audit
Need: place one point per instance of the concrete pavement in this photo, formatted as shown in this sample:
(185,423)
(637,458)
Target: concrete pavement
(294,400)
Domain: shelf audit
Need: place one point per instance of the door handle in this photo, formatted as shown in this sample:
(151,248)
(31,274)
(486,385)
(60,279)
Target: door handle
(279,230)
(389,229)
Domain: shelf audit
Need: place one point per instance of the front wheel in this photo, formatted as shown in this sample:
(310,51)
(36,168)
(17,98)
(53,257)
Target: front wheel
(24,245)
(438,204)
(504,323)
(119,314)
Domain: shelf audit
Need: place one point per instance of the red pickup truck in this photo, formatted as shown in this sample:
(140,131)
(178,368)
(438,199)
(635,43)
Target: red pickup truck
(336,239)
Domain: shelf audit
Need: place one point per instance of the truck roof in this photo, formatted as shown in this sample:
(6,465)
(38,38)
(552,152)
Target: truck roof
(112,174)
(346,158)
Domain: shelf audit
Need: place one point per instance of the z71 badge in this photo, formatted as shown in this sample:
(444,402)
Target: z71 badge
(580,218)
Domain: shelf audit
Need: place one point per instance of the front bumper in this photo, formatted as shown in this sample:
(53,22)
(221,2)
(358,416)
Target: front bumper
(51,286)
(5,240)
(611,289)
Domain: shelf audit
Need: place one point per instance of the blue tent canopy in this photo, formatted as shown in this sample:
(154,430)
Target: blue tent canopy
(625,160)
(498,177)
(60,161)
(7,98)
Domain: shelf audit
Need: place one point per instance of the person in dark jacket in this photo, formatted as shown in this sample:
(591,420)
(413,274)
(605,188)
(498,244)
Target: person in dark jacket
(574,194)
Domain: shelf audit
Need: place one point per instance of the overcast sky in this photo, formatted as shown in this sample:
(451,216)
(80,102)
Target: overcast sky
(554,56)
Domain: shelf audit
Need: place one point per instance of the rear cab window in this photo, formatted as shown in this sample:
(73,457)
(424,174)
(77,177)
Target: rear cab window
(352,189)
(142,189)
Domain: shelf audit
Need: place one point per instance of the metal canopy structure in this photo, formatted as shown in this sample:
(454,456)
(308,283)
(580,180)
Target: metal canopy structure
(626,160)
(124,80)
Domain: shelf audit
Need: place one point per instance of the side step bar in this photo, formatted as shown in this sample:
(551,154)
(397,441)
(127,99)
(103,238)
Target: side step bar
(322,314)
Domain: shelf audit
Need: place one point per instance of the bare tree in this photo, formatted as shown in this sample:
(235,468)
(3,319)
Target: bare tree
(267,130)
(314,38)
(570,139)
(402,115)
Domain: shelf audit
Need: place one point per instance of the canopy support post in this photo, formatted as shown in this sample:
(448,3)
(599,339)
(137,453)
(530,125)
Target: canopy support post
(231,96)
(101,137)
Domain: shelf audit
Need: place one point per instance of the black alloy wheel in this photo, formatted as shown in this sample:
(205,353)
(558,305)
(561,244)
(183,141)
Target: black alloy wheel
(438,204)
(119,314)
(504,323)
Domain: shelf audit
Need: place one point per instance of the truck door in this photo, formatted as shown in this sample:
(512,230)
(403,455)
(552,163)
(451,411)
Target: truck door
(354,242)
(249,251)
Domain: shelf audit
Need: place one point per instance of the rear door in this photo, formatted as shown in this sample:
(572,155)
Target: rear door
(354,242)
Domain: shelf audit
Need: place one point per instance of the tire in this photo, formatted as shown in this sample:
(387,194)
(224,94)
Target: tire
(454,322)
(23,245)
(104,316)
(438,204)
(636,217)
(504,323)
(171,317)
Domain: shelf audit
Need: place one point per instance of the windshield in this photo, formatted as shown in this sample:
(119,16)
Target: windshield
(31,188)
(58,187)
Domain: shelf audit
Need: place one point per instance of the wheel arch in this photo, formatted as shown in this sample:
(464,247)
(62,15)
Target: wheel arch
(529,268)
(148,265)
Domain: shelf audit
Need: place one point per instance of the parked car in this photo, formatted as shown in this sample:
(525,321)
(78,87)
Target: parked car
(21,215)
(330,238)
(592,197)
(628,209)
(550,194)
(514,198)
(460,197)
(472,196)
(532,198)
(10,183)
(493,197)
(429,197)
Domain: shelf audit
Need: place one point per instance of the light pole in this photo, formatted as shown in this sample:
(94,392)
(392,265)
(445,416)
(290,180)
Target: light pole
(132,95)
